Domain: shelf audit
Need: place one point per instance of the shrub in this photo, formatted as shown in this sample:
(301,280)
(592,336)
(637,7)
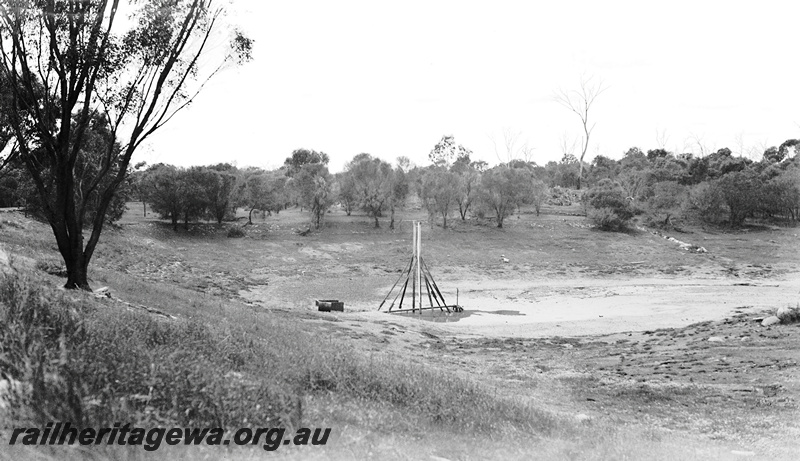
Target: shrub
(539,193)
(665,203)
(741,191)
(611,210)
(561,196)
(606,219)
(504,188)
(705,202)
(236,232)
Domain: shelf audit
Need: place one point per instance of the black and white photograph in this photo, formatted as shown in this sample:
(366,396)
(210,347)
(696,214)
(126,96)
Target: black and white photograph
(379,230)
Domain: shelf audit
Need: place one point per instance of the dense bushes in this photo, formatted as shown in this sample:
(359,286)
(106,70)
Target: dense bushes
(188,194)
(719,188)
(736,196)
(236,232)
(742,193)
(667,200)
(611,210)
(561,196)
(504,188)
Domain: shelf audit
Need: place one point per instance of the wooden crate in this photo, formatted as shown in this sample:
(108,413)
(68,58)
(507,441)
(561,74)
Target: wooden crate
(328,305)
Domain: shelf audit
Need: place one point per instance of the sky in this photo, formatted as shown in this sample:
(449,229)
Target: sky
(391,78)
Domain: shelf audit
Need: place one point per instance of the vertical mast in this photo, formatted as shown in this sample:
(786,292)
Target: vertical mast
(419,271)
(414,264)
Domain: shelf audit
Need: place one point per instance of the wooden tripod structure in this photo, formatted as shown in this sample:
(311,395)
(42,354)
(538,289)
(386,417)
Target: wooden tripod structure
(422,283)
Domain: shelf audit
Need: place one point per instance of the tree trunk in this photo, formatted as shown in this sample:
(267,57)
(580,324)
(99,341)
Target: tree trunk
(71,249)
(444,221)
(250,216)
(462,210)
(317,212)
(144,206)
(377,224)
(174,217)
(77,272)
(501,214)
(391,222)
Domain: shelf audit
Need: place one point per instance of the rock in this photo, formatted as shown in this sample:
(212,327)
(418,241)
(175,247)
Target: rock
(11,389)
(788,314)
(742,453)
(582,418)
(716,339)
(234,375)
(5,263)
(770,321)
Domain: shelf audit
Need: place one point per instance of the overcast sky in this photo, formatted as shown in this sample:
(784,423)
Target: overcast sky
(390,78)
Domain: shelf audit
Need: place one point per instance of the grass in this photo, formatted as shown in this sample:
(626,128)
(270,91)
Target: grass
(84,361)
(225,363)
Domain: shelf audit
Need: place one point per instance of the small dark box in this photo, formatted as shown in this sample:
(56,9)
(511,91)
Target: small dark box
(327,305)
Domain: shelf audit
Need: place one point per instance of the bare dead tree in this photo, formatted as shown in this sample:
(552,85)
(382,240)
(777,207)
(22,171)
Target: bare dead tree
(662,138)
(759,148)
(699,142)
(526,153)
(750,152)
(511,148)
(567,145)
(740,143)
(580,102)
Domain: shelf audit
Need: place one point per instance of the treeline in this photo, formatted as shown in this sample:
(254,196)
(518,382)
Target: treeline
(664,188)
(454,186)
(215,192)
(720,188)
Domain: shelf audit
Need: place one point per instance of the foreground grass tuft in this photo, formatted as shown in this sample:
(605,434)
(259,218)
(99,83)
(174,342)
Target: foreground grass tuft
(81,360)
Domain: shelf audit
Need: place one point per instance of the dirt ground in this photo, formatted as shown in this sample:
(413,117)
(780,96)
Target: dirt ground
(659,336)
(623,328)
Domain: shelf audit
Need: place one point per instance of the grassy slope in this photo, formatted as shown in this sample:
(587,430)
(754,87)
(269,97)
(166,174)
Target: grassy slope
(377,403)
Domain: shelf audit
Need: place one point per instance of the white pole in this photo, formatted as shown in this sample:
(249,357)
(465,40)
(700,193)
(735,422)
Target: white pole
(414,259)
(419,272)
